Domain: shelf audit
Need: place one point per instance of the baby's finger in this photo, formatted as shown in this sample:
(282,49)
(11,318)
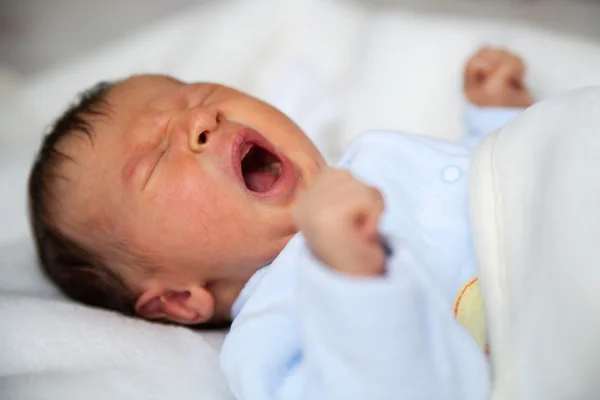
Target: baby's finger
(347,189)
(476,75)
(378,200)
(367,220)
(369,226)
(482,52)
(368,258)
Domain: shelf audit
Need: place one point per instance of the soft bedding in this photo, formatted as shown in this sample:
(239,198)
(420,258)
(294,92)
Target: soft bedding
(535,193)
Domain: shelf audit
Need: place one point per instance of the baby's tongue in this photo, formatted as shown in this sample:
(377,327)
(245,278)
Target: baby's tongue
(260,180)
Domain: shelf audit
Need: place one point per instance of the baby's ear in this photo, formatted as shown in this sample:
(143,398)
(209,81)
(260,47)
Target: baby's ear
(189,307)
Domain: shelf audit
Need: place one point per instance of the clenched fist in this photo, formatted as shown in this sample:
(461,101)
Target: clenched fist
(495,78)
(339,217)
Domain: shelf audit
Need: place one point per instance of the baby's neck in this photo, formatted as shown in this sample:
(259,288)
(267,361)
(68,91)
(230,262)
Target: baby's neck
(246,292)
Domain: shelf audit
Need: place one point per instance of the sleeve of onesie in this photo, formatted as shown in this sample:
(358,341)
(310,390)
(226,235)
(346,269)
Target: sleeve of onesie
(481,121)
(310,333)
(389,337)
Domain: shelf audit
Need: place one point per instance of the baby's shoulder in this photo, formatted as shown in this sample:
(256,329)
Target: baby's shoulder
(387,150)
(381,143)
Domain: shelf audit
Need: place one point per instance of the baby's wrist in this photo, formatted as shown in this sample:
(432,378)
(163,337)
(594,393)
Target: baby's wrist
(358,269)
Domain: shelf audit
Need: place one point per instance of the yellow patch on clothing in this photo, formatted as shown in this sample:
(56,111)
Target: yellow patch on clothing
(469,310)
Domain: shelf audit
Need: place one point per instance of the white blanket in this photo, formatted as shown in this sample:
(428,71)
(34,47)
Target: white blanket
(335,68)
(536,212)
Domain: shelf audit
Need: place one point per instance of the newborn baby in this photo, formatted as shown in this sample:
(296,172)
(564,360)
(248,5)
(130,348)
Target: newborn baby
(161,199)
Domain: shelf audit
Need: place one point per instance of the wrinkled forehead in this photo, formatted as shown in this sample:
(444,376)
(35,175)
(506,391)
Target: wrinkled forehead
(122,104)
(135,94)
(156,92)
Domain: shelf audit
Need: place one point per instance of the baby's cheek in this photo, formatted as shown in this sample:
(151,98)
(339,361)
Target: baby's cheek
(203,206)
(188,204)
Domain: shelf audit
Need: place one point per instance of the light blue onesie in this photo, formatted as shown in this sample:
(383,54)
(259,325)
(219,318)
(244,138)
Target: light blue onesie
(303,331)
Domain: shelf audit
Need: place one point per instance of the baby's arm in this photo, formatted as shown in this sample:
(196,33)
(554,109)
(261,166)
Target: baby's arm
(337,323)
(370,332)
(495,88)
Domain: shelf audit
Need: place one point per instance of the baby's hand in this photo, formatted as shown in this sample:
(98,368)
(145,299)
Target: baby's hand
(339,217)
(495,77)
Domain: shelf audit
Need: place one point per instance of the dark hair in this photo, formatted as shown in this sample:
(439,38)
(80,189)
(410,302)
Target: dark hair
(80,273)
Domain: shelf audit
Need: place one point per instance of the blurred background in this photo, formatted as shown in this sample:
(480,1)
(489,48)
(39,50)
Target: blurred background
(37,33)
(337,67)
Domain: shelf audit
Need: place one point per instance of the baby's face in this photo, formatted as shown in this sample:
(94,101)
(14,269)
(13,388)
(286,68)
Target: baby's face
(197,179)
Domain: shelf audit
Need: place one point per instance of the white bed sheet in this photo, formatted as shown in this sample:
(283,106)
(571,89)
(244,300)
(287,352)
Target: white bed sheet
(336,68)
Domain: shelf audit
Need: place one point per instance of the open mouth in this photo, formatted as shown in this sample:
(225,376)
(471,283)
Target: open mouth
(261,169)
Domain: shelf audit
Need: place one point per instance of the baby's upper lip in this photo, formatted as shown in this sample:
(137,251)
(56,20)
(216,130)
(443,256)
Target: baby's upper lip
(243,143)
(247,138)
(244,149)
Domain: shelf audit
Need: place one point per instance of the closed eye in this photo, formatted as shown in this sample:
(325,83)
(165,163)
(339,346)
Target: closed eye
(154,166)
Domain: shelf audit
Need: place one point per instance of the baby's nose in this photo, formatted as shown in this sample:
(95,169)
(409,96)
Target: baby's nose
(202,124)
